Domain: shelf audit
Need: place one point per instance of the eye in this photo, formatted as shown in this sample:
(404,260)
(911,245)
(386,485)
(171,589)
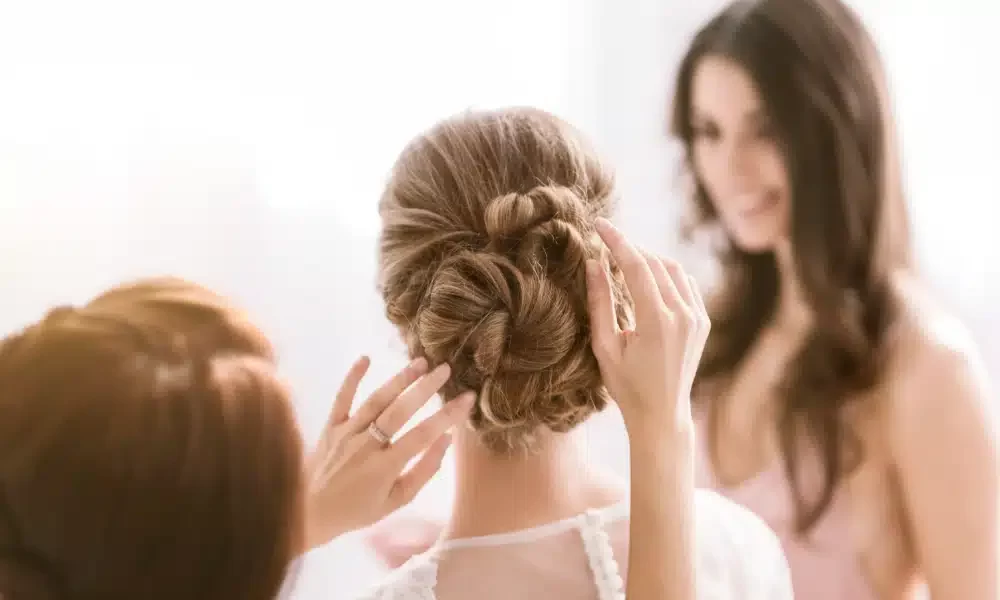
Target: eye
(705,131)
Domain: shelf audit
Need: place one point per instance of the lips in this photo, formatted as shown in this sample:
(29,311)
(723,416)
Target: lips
(755,205)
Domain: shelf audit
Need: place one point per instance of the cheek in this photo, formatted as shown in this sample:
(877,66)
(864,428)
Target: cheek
(774,175)
(771,166)
(710,168)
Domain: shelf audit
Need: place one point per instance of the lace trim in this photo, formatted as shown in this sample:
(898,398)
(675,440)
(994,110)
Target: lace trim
(601,556)
(415,580)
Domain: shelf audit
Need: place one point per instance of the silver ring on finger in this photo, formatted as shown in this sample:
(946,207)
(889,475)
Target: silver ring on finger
(380,436)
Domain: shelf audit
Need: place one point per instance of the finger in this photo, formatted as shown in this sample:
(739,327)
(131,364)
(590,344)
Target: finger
(409,402)
(603,321)
(668,291)
(696,344)
(341,410)
(388,392)
(699,300)
(409,485)
(638,277)
(702,310)
(681,282)
(423,435)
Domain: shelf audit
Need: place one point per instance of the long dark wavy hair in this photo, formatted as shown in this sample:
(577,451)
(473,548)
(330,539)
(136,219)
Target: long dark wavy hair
(822,86)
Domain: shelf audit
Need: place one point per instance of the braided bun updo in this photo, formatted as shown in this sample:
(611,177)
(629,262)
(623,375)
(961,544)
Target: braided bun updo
(486,223)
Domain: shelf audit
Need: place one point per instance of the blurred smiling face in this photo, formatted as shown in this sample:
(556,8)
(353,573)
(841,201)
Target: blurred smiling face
(736,158)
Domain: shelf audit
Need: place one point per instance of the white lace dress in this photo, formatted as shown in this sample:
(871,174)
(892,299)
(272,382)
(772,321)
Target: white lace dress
(584,558)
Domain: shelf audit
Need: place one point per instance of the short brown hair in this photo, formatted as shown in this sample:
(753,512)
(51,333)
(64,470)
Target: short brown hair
(147,450)
(486,223)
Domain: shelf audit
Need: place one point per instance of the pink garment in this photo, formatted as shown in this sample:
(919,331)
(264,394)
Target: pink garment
(824,566)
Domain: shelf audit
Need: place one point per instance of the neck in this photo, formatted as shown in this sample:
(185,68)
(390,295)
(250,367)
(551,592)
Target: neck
(793,311)
(501,493)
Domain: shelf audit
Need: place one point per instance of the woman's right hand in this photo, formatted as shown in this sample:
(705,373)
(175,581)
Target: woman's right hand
(648,370)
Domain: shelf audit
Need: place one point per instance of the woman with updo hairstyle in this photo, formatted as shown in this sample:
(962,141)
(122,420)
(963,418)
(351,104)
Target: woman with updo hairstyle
(493,233)
(149,450)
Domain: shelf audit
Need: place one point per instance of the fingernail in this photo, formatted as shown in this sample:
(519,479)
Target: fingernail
(591,266)
(419,364)
(443,367)
(605,224)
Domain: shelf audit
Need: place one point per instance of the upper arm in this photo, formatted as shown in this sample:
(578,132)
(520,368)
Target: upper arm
(944,440)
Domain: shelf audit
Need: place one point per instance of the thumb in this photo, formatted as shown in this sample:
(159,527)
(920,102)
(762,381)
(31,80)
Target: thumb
(603,323)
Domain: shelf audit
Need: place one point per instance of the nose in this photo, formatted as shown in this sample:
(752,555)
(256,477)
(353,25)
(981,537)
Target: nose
(738,158)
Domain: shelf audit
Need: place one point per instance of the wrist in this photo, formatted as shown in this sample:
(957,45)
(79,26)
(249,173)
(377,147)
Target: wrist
(318,533)
(661,451)
(655,446)
(661,468)
(656,434)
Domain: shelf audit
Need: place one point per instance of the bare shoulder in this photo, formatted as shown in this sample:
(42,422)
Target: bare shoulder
(936,376)
(739,555)
(927,330)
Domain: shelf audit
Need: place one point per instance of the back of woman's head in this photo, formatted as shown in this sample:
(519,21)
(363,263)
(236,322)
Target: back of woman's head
(147,450)
(486,223)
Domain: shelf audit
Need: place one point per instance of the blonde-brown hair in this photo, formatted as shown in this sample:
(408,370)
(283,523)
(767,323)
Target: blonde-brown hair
(147,450)
(486,223)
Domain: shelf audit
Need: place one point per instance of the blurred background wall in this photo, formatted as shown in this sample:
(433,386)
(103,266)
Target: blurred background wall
(244,145)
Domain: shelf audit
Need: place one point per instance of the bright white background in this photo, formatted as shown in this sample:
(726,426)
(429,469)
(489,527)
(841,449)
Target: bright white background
(243,144)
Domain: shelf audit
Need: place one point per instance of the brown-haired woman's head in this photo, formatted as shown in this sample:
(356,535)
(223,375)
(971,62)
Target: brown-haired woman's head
(487,221)
(782,108)
(147,450)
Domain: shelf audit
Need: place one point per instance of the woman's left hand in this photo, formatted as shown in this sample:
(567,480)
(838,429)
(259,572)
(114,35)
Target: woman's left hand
(354,478)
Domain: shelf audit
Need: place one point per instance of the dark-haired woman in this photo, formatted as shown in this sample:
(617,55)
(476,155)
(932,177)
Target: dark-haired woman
(835,399)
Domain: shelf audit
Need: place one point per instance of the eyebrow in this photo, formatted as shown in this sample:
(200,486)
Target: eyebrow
(754,115)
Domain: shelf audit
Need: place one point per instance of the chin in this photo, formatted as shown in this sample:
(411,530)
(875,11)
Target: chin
(755,244)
